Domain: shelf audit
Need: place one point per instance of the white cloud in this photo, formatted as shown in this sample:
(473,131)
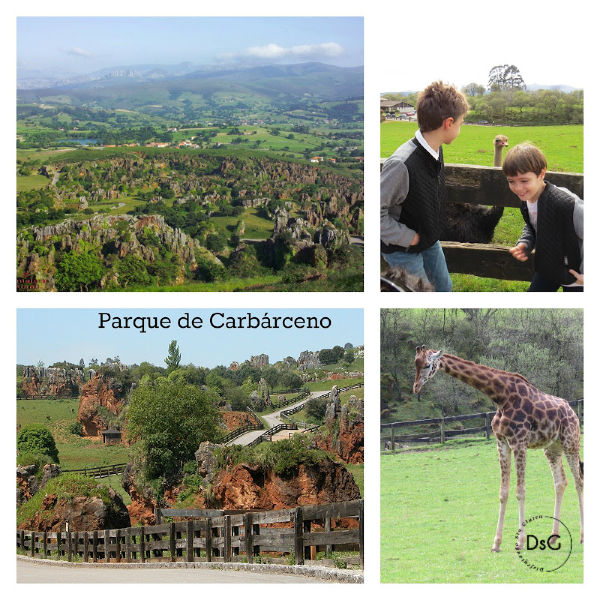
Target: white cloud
(303,51)
(79,52)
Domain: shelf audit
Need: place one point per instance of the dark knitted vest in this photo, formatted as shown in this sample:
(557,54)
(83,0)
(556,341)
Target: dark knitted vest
(424,209)
(556,244)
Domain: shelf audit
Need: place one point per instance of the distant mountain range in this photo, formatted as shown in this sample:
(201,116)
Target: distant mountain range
(530,88)
(131,83)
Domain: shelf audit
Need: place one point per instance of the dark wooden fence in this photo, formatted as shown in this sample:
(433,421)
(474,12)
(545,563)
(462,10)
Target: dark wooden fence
(439,429)
(99,472)
(470,184)
(214,538)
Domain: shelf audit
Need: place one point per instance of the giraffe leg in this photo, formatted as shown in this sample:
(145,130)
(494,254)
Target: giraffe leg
(504,458)
(577,470)
(520,464)
(554,455)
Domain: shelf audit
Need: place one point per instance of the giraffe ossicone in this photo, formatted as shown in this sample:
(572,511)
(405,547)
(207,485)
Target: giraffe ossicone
(525,418)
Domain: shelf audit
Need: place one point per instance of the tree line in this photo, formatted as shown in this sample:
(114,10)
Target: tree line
(544,345)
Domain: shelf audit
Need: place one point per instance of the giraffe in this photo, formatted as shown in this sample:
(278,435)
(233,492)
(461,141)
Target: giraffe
(526,418)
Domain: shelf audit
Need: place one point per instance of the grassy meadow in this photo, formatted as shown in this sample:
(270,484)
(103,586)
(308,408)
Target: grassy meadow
(561,144)
(439,510)
(74,452)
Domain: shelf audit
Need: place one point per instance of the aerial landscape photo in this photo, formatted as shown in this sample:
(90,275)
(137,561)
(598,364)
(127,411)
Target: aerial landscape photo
(190,154)
(202,437)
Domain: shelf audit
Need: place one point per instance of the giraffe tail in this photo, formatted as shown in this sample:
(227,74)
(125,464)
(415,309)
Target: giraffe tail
(581,469)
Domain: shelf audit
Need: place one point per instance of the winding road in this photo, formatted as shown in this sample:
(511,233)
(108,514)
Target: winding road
(272,419)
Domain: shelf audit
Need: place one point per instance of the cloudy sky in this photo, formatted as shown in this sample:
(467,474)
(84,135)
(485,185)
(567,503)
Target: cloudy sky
(77,45)
(54,335)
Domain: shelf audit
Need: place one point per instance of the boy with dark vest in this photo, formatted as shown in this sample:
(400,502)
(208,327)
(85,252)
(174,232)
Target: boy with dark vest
(413,190)
(553,222)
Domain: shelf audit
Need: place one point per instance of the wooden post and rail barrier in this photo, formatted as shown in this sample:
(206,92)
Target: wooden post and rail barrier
(472,184)
(210,536)
(430,434)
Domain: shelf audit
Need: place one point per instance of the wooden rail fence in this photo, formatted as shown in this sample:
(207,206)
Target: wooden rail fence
(218,537)
(390,439)
(471,184)
(99,472)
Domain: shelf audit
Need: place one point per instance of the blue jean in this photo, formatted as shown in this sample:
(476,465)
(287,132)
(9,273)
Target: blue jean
(429,265)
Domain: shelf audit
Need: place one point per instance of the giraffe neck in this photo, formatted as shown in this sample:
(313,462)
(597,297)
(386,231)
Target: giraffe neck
(496,384)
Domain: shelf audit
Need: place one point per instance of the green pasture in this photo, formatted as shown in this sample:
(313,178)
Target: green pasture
(257,227)
(358,472)
(439,510)
(561,144)
(74,452)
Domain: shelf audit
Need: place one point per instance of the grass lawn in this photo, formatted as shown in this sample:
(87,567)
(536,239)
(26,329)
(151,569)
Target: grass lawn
(439,510)
(562,144)
(358,472)
(74,452)
(257,227)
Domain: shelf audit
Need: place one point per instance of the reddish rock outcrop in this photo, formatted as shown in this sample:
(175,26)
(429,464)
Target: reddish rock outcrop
(84,513)
(249,487)
(29,481)
(99,391)
(235,419)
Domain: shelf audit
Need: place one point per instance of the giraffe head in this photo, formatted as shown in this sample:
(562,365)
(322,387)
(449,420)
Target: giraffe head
(426,365)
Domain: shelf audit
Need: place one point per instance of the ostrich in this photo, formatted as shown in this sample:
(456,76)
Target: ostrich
(475,223)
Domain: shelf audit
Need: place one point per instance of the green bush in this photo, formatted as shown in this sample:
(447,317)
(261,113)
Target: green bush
(34,458)
(78,272)
(76,428)
(37,439)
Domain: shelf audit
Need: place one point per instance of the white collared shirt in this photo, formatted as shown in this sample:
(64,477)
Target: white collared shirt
(425,145)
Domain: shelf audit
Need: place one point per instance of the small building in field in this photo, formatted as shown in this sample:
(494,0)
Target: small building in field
(111,437)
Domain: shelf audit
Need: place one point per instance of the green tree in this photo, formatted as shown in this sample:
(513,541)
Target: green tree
(174,357)
(37,439)
(78,272)
(170,420)
(132,271)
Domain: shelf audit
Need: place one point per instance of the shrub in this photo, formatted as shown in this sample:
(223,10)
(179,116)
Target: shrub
(76,428)
(78,272)
(37,439)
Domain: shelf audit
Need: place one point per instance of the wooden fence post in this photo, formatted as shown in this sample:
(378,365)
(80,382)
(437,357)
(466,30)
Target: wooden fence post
(328,547)
(298,536)
(227,541)
(249,535)
(58,543)
(22,539)
(33,543)
(361,534)
(45,542)
(118,545)
(142,544)
(172,542)
(189,539)
(69,546)
(128,544)
(94,546)
(209,539)
(442,431)
(106,545)
(86,546)
(393,442)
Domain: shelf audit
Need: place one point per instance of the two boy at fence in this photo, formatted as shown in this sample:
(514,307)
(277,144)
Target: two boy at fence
(413,190)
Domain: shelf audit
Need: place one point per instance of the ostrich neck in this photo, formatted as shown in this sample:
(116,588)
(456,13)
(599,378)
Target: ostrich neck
(498,156)
(494,383)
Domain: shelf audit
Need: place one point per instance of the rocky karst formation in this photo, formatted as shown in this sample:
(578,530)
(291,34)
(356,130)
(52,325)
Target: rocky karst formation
(345,436)
(308,360)
(234,419)
(121,235)
(39,382)
(253,487)
(83,513)
(29,481)
(100,391)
